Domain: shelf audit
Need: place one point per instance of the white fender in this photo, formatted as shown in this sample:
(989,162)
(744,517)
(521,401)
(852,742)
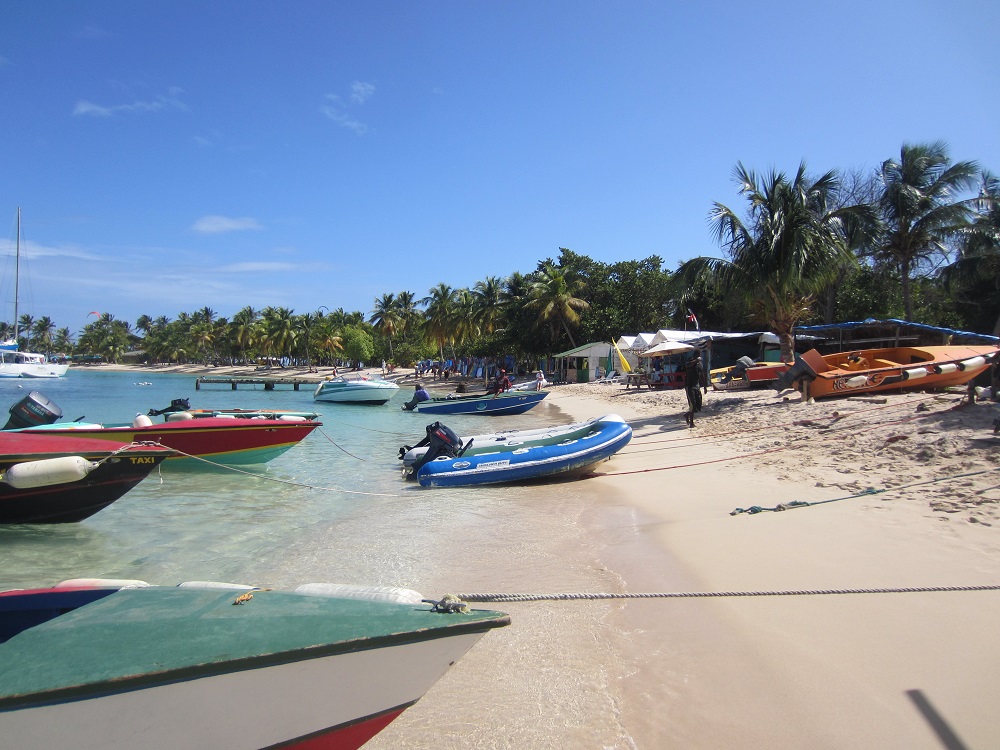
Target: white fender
(970,364)
(914,373)
(141,420)
(179,416)
(48,471)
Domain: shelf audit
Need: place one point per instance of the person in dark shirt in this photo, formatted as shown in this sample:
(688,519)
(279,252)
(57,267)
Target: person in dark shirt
(692,387)
(419,394)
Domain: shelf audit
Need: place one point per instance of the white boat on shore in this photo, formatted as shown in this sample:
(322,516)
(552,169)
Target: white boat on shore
(341,390)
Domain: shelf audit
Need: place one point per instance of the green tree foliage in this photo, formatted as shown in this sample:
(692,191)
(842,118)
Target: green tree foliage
(786,250)
(921,208)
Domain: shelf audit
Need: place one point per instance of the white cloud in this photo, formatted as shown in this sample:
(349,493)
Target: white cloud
(161,102)
(257,266)
(341,112)
(361,92)
(220,224)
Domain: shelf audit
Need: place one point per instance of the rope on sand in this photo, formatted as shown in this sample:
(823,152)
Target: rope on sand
(483,598)
(755,509)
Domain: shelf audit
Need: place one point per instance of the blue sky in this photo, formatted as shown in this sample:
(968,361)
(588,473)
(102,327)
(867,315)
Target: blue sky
(172,155)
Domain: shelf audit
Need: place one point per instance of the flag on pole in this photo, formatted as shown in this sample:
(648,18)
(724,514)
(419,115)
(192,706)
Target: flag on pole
(693,318)
(621,358)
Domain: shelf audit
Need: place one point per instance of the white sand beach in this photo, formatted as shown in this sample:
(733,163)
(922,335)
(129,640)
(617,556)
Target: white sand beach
(905,493)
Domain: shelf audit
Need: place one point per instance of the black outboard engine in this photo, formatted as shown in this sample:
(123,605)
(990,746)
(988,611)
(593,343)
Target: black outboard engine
(33,410)
(441,440)
(799,371)
(177,404)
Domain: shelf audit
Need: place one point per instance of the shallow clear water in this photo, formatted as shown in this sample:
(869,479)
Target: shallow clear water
(331,508)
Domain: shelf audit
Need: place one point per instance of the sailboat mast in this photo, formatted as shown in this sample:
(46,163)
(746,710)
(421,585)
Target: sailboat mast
(17,272)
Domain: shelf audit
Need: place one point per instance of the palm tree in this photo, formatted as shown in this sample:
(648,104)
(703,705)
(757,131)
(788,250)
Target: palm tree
(920,207)
(386,318)
(41,333)
(465,325)
(328,338)
(406,310)
(439,315)
(305,323)
(553,295)
(245,329)
(203,335)
(280,329)
(791,245)
(975,274)
(62,341)
(25,322)
(488,295)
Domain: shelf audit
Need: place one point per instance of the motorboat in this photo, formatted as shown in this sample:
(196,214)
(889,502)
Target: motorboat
(503,440)
(116,665)
(66,478)
(365,390)
(894,369)
(559,453)
(197,442)
(508,402)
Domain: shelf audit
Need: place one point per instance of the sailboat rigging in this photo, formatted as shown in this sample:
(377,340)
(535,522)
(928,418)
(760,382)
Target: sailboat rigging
(13,362)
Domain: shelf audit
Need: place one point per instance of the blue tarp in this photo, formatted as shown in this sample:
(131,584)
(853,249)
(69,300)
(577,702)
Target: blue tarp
(871,323)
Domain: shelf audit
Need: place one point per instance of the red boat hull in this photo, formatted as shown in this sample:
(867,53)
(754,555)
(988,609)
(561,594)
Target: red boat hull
(216,439)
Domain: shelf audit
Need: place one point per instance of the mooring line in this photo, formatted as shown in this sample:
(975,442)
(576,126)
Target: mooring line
(321,432)
(265,478)
(485,598)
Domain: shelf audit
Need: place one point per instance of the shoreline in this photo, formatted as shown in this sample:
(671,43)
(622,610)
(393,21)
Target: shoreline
(906,495)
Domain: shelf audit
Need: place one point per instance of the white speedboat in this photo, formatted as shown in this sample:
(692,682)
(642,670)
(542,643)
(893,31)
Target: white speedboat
(17,364)
(341,390)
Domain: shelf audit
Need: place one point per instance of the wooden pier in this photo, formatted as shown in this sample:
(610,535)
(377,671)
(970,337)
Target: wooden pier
(268,383)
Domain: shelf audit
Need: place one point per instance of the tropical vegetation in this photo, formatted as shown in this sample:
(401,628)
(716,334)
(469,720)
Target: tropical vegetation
(916,238)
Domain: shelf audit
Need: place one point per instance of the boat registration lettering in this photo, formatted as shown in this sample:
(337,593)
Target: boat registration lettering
(487,465)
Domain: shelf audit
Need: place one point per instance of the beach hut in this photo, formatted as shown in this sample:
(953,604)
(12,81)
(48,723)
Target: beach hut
(580,365)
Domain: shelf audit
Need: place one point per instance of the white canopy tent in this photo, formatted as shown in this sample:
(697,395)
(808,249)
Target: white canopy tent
(667,347)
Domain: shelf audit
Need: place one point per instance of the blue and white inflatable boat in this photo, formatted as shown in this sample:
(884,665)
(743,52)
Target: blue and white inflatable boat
(549,453)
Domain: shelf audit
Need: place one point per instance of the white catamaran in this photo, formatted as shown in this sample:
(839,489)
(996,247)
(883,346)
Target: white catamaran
(13,362)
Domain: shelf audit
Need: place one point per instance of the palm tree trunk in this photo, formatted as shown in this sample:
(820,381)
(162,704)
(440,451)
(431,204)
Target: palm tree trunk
(572,343)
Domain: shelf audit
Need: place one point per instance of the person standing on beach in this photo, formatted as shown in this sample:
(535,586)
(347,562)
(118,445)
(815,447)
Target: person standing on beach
(692,387)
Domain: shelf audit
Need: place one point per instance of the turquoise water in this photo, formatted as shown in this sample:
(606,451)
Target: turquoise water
(332,508)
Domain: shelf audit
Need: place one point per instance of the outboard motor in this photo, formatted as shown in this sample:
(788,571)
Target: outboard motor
(441,440)
(177,404)
(799,371)
(32,411)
